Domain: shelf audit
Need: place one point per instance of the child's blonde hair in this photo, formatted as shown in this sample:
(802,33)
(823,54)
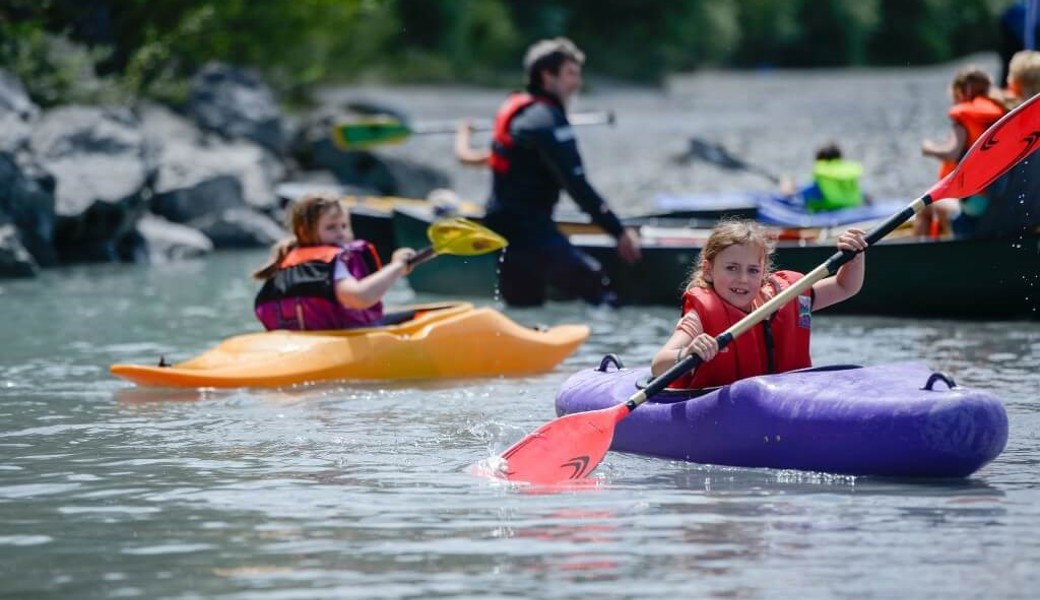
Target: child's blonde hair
(1024,69)
(303,222)
(730,232)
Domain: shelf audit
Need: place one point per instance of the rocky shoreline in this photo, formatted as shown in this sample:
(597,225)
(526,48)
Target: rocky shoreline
(148,184)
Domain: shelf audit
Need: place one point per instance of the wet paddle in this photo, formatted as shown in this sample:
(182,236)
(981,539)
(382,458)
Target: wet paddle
(460,237)
(382,129)
(571,446)
(717,155)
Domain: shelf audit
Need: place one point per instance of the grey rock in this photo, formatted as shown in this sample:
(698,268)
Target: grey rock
(236,103)
(15,260)
(166,241)
(97,157)
(29,207)
(239,228)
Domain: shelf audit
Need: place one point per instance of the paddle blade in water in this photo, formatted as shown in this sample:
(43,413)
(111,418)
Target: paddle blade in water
(463,237)
(1014,137)
(565,449)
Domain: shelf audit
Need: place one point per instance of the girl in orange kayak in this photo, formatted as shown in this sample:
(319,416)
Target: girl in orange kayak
(322,278)
(731,279)
(976,106)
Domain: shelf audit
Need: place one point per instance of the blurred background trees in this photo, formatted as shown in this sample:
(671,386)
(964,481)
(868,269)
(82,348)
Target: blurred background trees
(68,50)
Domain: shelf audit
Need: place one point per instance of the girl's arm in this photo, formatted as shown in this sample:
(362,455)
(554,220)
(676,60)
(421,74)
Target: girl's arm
(951,149)
(689,337)
(363,293)
(847,282)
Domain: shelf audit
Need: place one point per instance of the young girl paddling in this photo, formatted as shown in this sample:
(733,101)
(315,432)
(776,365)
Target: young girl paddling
(322,278)
(730,280)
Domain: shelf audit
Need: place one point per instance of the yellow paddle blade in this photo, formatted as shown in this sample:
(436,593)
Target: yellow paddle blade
(463,237)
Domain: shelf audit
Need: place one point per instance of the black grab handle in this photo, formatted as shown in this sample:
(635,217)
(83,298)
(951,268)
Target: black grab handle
(607,359)
(937,376)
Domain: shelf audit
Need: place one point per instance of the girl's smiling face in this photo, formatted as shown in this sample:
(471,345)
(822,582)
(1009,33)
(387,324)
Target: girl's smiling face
(334,228)
(736,274)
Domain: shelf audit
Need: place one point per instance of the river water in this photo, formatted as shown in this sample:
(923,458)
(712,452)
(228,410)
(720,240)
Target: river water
(362,491)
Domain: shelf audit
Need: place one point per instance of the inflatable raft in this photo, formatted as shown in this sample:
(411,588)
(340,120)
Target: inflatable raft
(899,420)
(431,341)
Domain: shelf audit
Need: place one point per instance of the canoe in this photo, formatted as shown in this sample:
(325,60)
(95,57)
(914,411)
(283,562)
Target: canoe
(994,278)
(372,216)
(772,209)
(438,341)
(897,420)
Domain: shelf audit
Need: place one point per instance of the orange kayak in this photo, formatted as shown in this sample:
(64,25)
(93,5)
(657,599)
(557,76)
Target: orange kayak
(438,341)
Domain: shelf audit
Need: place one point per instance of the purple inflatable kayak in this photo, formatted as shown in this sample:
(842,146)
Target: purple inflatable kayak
(899,420)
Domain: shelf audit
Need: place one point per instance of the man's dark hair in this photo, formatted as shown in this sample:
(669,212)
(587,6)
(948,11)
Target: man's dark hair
(549,55)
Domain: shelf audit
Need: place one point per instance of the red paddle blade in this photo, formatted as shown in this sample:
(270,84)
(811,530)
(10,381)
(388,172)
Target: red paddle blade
(565,449)
(1015,136)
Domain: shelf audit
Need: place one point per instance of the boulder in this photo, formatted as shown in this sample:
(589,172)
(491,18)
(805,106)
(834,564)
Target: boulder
(28,205)
(97,157)
(165,241)
(15,260)
(236,103)
(239,228)
(194,168)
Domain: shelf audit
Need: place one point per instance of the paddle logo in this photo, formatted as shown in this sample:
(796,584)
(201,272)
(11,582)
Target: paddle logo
(579,464)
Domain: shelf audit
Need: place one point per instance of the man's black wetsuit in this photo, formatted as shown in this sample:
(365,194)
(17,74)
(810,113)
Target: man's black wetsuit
(534,156)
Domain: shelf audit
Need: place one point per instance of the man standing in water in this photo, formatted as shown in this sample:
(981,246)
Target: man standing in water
(534,155)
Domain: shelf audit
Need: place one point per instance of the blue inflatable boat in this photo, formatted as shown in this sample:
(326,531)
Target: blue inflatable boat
(896,420)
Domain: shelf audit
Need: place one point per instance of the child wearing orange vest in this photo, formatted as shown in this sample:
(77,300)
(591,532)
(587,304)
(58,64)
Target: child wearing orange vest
(322,278)
(730,280)
(976,106)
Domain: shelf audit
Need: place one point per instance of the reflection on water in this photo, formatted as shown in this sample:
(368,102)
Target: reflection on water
(362,489)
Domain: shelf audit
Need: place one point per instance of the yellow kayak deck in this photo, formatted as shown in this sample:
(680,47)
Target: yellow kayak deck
(442,341)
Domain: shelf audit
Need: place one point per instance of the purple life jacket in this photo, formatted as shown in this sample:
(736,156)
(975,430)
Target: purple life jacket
(302,294)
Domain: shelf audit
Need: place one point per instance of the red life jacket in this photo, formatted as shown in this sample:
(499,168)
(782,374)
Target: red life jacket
(975,116)
(501,140)
(302,294)
(778,344)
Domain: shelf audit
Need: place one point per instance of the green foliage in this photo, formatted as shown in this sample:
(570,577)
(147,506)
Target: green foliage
(55,70)
(67,50)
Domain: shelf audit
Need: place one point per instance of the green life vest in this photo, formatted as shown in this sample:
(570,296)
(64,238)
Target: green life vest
(838,181)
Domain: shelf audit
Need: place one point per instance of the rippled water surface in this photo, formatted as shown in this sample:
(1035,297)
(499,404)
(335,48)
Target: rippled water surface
(361,490)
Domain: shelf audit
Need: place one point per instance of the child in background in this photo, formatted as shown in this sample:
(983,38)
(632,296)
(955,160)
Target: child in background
(322,278)
(1023,81)
(835,182)
(730,280)
(976,106)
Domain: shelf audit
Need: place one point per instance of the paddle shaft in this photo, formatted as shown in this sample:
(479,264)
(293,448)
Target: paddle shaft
(426,254)
(577,119)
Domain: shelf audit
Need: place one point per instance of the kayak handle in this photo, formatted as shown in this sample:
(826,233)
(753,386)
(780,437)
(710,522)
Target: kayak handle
(937,376)
(607,359)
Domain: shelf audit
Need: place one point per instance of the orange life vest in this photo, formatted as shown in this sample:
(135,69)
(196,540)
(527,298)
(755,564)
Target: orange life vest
(975,116)
(778,344)
(302,294)
(501,139)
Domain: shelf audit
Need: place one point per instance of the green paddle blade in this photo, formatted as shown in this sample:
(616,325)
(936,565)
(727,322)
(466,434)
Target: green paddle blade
(463,237)
(358,135)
